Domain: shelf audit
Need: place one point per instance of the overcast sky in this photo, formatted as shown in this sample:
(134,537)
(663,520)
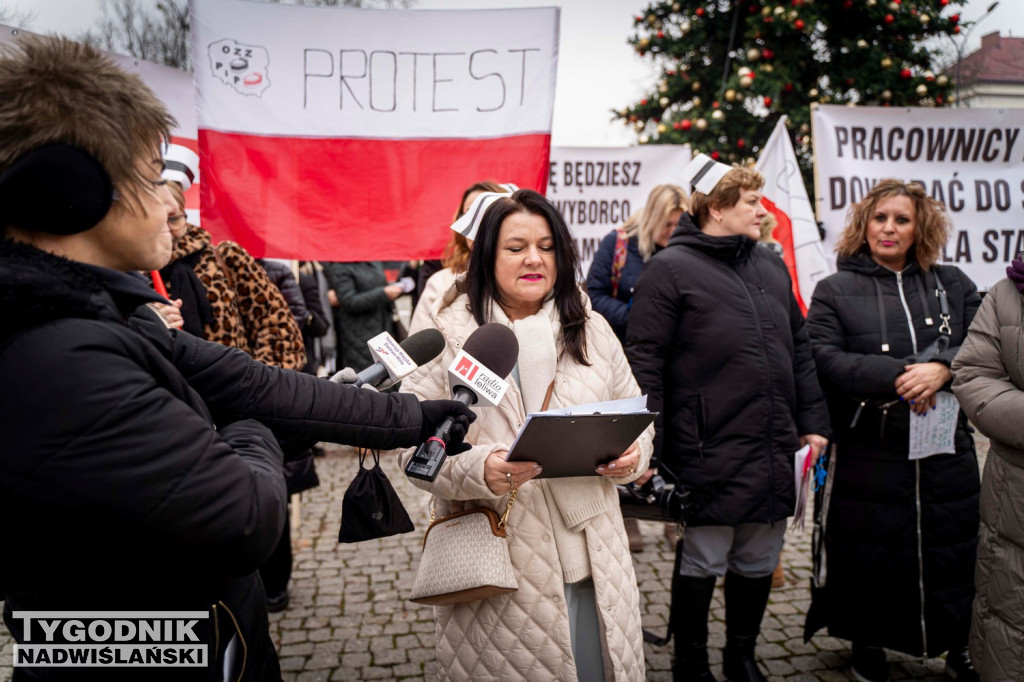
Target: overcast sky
(597,70)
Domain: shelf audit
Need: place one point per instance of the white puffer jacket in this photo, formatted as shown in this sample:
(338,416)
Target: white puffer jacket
(525,635)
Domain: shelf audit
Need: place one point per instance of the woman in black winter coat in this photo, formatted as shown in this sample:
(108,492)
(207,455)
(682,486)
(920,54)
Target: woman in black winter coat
(621,256)
(718,343)
(899,534)
(365,308)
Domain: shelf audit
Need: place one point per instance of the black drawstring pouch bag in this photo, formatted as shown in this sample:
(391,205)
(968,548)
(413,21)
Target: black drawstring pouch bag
(371,508)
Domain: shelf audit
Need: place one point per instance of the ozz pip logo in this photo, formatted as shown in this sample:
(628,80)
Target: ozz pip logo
(467,368)
(243,67)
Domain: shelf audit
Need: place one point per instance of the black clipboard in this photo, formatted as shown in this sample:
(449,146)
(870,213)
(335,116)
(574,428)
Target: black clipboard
(574,445)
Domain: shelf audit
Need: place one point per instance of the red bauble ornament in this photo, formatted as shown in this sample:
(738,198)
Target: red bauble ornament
(849,82)
(661,34)
(715,155)
(643,102)
(799,24)
(752,9)
(905,74)
(700,11)
(686,124)
(767,54)
(847,4)
(767,101)
(956,29)
(638,19)
(889,18)
(797,3)
(938,99)
(955,18)
(896,2)
(788,87)
(714,105)
(943,2)
(670,72)
(741,143)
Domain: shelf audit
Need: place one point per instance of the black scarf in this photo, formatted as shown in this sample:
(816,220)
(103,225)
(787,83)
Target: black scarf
(182,282)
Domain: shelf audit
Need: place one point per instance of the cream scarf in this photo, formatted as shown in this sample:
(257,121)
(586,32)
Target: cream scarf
(572,502)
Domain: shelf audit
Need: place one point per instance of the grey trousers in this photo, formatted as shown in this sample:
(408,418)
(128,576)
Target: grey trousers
(750,549)
(584,630)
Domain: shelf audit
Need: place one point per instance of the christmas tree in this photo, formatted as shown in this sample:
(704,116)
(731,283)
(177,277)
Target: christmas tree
(731,68)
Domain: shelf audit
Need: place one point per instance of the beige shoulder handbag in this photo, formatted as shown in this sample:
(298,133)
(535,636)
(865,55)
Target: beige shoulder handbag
(465,555)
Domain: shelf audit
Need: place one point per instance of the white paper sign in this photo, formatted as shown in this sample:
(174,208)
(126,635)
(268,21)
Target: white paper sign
(932,433)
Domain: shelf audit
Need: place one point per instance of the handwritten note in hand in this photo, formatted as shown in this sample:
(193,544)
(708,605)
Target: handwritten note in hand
(932,432)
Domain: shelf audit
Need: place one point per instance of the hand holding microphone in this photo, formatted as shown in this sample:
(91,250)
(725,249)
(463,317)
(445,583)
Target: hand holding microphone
(477,374)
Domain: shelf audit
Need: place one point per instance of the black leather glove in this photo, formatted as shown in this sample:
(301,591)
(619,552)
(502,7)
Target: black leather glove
(436,411)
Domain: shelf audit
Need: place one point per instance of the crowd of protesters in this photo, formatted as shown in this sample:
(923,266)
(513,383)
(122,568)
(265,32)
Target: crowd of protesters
(161,437)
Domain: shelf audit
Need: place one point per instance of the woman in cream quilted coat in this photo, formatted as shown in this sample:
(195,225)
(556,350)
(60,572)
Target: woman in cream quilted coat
(576,614)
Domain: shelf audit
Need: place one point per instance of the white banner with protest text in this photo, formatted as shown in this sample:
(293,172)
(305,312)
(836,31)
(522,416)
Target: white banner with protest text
(972,160)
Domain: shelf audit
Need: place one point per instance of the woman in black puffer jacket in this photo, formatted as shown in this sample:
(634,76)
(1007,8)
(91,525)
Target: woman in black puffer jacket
(719,344)
(900,534)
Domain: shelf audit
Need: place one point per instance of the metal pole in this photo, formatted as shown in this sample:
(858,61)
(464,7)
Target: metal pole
(963,44)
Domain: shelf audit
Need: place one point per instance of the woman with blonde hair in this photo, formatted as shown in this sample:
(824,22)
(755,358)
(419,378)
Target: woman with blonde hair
(900,531)
(621,256)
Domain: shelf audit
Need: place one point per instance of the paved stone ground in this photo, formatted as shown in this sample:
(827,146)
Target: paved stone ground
(349,620)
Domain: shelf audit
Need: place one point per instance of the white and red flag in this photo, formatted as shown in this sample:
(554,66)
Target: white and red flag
(348,134)
(786,197)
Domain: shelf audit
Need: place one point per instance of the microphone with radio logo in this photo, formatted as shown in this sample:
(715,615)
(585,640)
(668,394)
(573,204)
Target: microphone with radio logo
(394,360)
(477,375)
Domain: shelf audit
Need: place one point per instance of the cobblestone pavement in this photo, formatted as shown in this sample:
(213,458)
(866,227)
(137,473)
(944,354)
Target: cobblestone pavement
(349,620)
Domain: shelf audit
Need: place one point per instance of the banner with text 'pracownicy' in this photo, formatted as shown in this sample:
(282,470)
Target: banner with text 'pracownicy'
(348,134)
(972,160)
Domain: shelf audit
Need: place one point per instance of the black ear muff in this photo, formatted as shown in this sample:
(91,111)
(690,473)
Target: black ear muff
(58,189)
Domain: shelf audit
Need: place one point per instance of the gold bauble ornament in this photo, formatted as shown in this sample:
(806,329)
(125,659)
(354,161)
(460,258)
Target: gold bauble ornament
(644,139)
(942,80)
(792,15)
(929,76)
(871,3)
(676,7)
(753,54)
(663,87)
(695,101)
(730,95)
(643,43)
(662,128)
(664,101)
(739,98)
(701,124)
(695,86)
(651,19)
(813,92)
(717,114)
(887,95)
(767,68)
(779,10)
(886,62)
(951,97)
(639,126)
(862,43)
(766,11)
(894,6)
(684,27)
(746,81)
(804,128)
(744,71)
(921,90)
(925,19)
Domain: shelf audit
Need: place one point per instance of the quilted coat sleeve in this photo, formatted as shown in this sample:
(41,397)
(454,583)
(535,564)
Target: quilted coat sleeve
(859,374)
(461,477)
(980,380)
(611,365)
(274,337)
(811,410)
(127,451)
(657,308)
(599,284)
(293,404)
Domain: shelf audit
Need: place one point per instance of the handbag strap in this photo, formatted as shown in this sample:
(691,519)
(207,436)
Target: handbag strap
(619,259)
(547,396)
(940,292)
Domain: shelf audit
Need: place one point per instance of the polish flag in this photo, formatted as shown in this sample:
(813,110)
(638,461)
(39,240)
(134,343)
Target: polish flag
(786,197)
(346,134)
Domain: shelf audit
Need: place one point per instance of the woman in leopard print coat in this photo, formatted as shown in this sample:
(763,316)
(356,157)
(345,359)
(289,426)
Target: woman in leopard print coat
(227,297)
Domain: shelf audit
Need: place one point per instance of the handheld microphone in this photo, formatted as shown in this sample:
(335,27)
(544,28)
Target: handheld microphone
(477,374)
(395,360)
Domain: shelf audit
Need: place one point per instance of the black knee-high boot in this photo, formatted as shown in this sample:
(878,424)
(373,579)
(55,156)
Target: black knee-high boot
(690,604)
(745,602)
